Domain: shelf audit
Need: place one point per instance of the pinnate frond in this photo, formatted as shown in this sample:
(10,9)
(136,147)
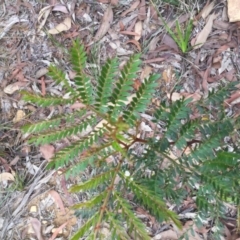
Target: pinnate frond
(140,102)
(86,227)
(105,81)
(49,137)
(45,101)
(84,86)
(152,202)
(135,225)
(59,77)
(218,96)
(65,155)
(124,86)
(93,202)
(93,182)
(187,132)
(118,232)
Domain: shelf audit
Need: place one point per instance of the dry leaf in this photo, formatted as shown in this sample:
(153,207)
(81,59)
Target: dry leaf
(138,29)
(168,41)
(207,9)
(19,116)
(60,8)
(41,72)
(142,11)
(36,225)
(174,96)
(77,105)
(203,35)
(64,26)
(153,43)
(167,74)
(105,24)
(5,176)
(57,200)
(146,72)
(132,8)
(136,84)
(44,13)
(136,43)
(11,88)
(47,151)
(56,231)
(129,33)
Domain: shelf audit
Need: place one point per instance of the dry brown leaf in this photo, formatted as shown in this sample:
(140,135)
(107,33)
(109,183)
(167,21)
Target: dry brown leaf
(129,33)
(36,225)
(11,88)
(5,176)
(142,11)
(132,8)
(41,72)
(58,230)
(105,24)
(77,105)
(64,26)
(19,116)
(136,43)
(174,96)
(153,43)
(47,151)
(168,41)
(207,9)
(203,35)
(121,25)
(146,72)
(138,29)
(58,200)
(167,74)
(136,84)
(194,96)
(153,60)
(43,14)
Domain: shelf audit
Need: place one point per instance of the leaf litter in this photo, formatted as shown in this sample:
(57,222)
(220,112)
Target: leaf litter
(116,28)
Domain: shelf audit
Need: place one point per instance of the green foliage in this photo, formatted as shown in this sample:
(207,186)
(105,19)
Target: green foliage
(183,150)
(181,35)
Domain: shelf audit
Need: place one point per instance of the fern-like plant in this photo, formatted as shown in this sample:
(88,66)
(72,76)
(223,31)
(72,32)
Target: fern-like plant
(112,113)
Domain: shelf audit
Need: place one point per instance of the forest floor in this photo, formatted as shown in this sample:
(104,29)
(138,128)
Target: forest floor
(34,203)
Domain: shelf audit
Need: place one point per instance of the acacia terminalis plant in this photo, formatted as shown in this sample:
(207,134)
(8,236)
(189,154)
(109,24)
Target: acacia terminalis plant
(110,120)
